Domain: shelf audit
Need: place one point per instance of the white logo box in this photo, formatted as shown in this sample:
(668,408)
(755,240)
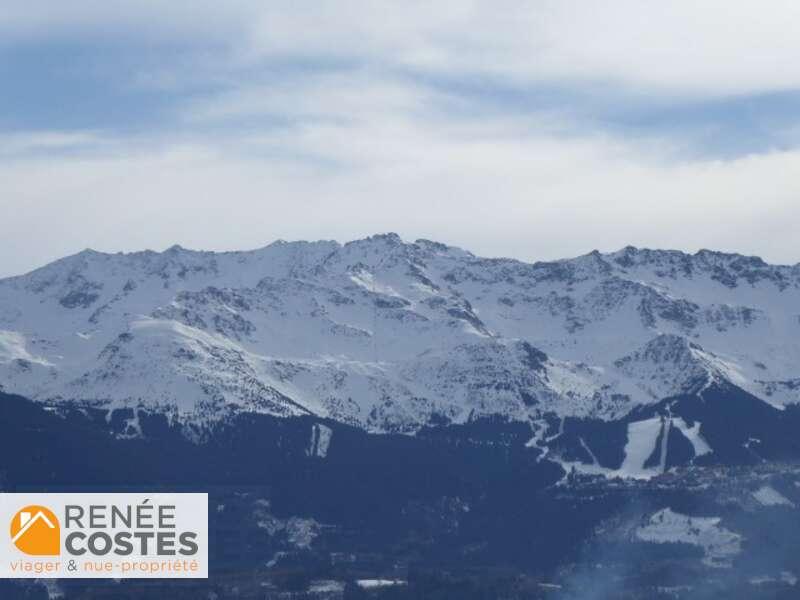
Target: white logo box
(104,535)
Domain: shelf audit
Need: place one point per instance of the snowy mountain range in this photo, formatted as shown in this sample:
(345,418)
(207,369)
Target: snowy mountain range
(392,336)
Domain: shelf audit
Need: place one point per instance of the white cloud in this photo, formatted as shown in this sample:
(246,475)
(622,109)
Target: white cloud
(715,47)
(363,148)
(679,48)
(534,198)
(18,143)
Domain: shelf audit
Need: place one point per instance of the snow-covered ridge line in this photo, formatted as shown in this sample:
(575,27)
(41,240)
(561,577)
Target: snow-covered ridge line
(390,336)
(628,256)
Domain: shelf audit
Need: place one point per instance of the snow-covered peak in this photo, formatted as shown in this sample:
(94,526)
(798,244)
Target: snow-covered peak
(669,365)
(727,269)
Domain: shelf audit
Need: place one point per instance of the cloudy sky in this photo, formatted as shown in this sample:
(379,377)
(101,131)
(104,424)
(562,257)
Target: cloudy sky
(537,129)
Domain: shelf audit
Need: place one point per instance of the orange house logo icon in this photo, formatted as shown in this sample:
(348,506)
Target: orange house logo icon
(35,531)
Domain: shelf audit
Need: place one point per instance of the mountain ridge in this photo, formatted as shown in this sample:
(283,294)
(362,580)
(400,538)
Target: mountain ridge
(390,336)
(621,256)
